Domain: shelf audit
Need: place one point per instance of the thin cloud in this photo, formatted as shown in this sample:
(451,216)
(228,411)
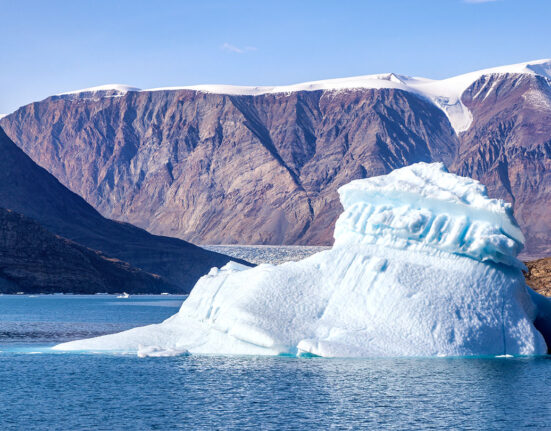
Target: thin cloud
(228,47)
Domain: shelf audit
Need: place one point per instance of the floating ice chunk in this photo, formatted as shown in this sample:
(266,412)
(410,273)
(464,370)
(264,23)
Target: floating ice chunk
(158,352)
(424,264)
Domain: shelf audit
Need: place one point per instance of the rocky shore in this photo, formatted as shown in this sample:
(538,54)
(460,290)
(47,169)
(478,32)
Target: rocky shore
(538,276)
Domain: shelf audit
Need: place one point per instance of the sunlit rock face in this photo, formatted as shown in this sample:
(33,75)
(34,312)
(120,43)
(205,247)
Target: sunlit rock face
(262,165)
(424,264)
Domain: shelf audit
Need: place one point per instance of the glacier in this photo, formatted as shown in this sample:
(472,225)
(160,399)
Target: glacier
(424,264)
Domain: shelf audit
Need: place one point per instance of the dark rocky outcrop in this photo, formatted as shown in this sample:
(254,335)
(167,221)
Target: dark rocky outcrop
(30,190)
(33,260)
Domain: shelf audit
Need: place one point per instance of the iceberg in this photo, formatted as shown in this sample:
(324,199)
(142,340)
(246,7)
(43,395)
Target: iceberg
(424,264)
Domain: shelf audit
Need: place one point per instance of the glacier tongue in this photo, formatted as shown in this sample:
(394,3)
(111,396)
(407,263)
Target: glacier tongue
(424,264)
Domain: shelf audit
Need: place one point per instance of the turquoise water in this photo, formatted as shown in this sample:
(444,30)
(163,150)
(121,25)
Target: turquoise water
(59,391)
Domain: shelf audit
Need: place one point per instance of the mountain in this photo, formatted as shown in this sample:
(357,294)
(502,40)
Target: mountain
(508,148)
(33,260)
(30,190)
(261,165)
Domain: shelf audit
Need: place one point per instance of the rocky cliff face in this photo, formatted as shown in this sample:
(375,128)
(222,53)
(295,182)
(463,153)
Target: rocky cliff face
(229,169)
(508,148)
(33,260)
(30,190)
(264,169)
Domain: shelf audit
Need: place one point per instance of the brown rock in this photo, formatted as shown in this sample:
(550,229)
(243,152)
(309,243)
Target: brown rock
(538,276)
(221,169)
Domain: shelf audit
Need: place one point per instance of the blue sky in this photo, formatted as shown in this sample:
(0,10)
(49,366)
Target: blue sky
(47,47)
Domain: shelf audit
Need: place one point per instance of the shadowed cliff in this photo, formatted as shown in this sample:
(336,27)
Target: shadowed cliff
(30,190)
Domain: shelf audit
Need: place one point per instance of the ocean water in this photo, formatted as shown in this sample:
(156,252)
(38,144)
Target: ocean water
(42,390)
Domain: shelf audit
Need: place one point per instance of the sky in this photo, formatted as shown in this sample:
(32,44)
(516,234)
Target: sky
(49,47)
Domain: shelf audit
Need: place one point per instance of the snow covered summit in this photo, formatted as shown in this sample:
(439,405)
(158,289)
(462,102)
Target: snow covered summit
(446,93)
(113,88)
(424,264)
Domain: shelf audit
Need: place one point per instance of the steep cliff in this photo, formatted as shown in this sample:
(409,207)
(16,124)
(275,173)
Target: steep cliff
(229,169)
(508,148)
(221,164)
(30,190)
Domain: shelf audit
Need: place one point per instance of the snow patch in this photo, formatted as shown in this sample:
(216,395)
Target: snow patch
(424,264)
(537,100)
(118,88)
(445,93)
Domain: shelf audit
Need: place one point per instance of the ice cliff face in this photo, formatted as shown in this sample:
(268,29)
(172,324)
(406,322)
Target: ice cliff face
(424,264)
(425,206)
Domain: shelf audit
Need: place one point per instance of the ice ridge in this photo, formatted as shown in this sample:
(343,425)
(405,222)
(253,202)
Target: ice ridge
(425,204)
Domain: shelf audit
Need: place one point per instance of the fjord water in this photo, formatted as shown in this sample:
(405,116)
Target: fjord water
(40,390)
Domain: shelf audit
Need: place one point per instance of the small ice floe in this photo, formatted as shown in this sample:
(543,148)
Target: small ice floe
(159,352)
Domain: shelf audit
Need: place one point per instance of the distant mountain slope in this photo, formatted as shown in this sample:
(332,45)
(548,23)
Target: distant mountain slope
(30,190)
(224,169)
(261,165)
(33,260)
(508,148)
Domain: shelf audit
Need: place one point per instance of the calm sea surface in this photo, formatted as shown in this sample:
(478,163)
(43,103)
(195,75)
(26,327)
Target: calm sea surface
(40,390)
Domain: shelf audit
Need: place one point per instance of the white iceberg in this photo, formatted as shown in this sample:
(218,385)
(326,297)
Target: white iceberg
(424,264)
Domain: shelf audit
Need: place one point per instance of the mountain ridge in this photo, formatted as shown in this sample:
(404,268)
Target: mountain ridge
(541,67)
(30,190)
(34,260)
(444,93)
(264,169)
